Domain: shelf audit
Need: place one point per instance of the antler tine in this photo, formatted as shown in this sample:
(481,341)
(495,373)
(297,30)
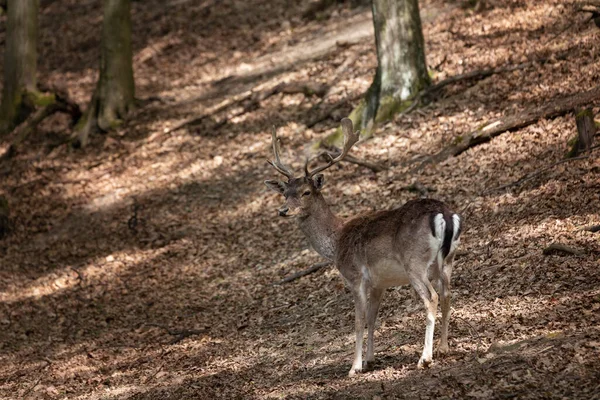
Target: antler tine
(350,139)
(277,164)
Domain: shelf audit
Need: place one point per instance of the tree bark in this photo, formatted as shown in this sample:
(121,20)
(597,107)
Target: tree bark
(4,214)
(114,96)
(20,63)
(586,129)
(401,70)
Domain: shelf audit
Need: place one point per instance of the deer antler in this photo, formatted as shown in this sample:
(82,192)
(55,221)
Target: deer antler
(350,138)
(277,163)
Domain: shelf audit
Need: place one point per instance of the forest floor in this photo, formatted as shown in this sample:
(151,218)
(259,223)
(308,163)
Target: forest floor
(143,266)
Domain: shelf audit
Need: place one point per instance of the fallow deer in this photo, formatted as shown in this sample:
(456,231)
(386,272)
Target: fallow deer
(411,244)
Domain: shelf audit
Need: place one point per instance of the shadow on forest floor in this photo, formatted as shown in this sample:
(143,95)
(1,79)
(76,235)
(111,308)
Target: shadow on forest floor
(145,235)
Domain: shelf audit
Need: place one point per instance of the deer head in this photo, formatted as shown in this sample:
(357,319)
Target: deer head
(300,193)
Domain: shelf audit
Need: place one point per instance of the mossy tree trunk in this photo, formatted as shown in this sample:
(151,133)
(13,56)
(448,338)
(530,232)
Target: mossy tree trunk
(20,64)
(401,70)
(114,95)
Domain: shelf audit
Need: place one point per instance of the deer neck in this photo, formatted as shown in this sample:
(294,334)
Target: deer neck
(321,227)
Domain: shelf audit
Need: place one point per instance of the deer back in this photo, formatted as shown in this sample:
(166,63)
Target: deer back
(386,246)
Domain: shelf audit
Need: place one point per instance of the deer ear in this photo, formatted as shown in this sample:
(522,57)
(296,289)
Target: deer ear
(319,180)
(276,186)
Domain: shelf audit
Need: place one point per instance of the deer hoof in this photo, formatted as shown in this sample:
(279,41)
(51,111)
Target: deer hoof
(443,348)
(369,365)
(424,363)
(354,371)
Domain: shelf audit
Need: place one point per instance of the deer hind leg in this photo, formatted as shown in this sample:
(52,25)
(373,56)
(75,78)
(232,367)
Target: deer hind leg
(375,296)
(446,272)
(360,303)
(445,296)
(430,298)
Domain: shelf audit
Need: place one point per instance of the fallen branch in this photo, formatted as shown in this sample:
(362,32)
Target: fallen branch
(375,167)
(253,97)
(562,248)
(22,131)
(593,228)
(302,273)
(491,130)
(478,75)
(334,152)
(533,175)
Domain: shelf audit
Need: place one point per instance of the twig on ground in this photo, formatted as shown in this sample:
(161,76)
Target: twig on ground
(474,333)
(179,334)
(30,389)
(79,276)
(305,272)
(441,62)
(562,248)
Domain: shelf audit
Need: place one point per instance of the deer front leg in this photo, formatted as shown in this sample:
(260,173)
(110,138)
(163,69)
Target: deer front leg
(430,299)
(360,303)
(373,307)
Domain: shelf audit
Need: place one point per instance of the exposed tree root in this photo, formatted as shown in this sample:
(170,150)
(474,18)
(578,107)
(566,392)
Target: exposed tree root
(54,102)
(102,114)
(489,131)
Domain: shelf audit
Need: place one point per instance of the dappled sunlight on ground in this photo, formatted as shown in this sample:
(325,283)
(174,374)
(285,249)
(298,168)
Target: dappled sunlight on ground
(144,267)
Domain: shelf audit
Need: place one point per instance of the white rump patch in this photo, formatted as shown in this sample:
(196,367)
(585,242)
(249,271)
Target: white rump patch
(437,240)
(439,226)
(456,226)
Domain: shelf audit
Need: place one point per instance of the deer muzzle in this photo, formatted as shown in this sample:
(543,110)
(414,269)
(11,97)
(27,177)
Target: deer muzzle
(283,211)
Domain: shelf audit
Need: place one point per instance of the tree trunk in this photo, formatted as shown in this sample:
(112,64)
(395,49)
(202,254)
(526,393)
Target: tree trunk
(401,70)
(114,96)
(20,64)
(4,214)
(586,129)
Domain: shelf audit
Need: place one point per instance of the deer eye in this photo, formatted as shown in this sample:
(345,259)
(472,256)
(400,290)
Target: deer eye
(307,193)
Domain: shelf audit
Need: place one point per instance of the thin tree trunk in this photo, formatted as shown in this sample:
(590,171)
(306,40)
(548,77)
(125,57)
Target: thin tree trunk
(586,129)
(20,63)
(401,70)
(114,96)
